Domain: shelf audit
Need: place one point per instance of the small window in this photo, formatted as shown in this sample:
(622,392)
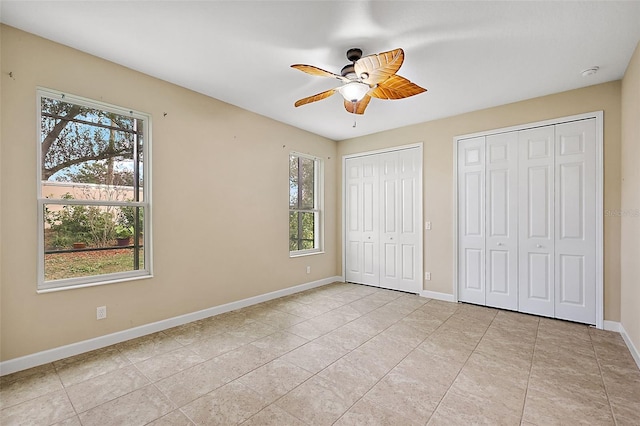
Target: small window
(93,192)
(304,204)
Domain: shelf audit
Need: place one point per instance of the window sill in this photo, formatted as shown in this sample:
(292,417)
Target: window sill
(93,284)
(304,253)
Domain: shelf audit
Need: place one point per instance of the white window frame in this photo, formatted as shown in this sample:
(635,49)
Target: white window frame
(318,202)
(94,280)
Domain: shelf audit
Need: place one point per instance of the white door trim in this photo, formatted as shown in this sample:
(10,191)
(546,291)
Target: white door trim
(598,115)
(420,194)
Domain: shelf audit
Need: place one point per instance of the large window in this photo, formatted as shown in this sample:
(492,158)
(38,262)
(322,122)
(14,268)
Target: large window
(304,204)
(93,192)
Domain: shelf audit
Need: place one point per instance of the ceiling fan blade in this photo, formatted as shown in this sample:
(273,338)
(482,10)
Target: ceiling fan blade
(310,69)
(357,107)
(396,87)
(314,98)
(374,69)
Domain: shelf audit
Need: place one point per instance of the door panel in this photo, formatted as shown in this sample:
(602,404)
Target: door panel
(502,221)
(402,233)
(362,221)
(575,243)
(409,264)
(536,216)
(498,272)
(471,220)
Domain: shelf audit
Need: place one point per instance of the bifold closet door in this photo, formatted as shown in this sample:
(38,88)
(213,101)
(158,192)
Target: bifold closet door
(471,220)
(488,221)
(400,229)
(527,220)
(362,220)
(383,220)
(502,220)
(536,292)
(575,226)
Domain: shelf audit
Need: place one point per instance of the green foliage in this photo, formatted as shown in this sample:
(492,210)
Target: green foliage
(127,216)
(77,223)
(301,231)
(123,231)
(97,172)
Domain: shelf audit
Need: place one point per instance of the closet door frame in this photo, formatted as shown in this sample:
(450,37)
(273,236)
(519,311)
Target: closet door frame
(599,202)
(419,202)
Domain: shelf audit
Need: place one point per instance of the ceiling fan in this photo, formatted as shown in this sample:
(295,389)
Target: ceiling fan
(366,77)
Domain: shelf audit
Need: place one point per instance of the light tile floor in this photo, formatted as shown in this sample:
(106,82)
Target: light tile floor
(341,354)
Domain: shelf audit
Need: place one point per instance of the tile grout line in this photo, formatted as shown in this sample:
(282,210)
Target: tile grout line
(363,343)
(368,340)
(280,356)
(604,385)
(398,363)
(461,368)
(533,354)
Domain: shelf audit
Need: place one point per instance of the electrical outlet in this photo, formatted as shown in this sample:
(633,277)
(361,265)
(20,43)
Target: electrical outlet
(427,276)
(101,312)
(427,225)
(308,269)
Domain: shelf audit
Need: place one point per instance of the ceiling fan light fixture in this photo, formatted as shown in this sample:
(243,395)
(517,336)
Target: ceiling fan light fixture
(354,91)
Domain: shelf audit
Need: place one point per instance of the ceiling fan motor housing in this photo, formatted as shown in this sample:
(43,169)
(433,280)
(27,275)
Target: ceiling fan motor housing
(354,54)
(349,72)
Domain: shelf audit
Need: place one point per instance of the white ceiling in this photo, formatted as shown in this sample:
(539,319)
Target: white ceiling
(469,55)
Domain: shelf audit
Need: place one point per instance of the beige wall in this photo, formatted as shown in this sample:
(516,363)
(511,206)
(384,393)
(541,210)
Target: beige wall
(437,137)
(630,242)
(220,201)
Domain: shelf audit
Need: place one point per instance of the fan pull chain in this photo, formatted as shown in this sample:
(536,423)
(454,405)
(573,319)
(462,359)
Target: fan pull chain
(355,116)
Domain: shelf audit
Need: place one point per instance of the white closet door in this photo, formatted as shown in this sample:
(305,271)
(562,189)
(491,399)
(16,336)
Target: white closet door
(362,204)
(471,222)
(400,221)
(575,239)
(536,221)
(502,220)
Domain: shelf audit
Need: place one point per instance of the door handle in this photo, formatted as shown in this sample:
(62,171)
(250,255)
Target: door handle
(539,245)
(499,244)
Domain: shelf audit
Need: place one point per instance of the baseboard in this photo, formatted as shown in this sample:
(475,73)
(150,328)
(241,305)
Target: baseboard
(55,354)
(634,351)
(438,296)
(612,326)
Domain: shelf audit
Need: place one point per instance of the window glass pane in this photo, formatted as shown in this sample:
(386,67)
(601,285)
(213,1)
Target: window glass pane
(97,151)
(84,241)
(307,183)
(307,230)
(293,182)
(293,231)
(302,198)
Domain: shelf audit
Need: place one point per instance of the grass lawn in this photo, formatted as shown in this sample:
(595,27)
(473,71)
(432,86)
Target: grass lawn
(88,263)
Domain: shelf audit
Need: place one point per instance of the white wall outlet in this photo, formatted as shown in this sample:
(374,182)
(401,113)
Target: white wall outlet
(427,225)
(101,312)
(427,276)
(308,269)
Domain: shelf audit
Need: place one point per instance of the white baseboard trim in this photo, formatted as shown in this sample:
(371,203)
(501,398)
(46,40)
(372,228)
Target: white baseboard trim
(55,354)
(634,351)
(612,326)
(438,296)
